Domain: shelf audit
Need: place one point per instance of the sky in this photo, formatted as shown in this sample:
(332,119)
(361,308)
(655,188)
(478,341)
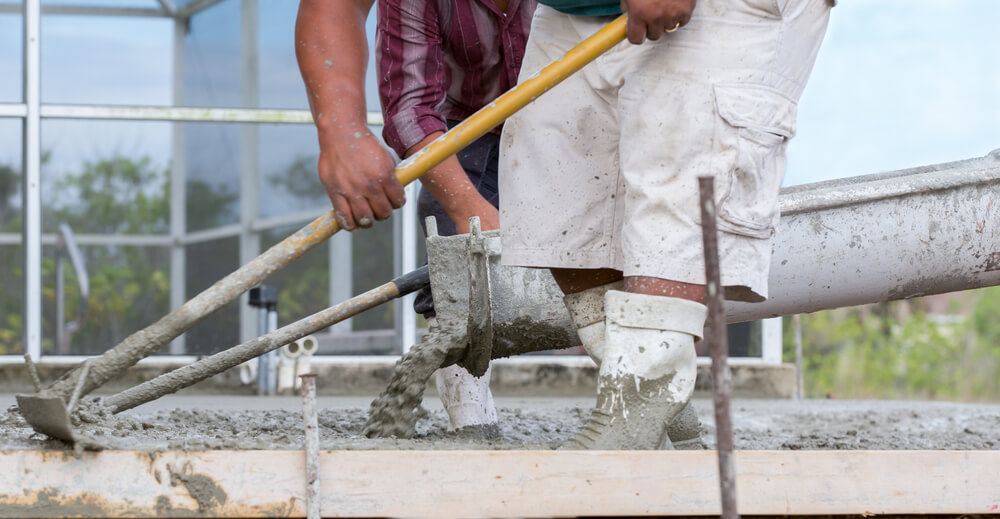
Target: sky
(897,83)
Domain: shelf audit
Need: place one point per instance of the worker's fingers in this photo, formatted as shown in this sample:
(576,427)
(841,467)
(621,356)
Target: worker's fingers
(635,30)
(364,217)
(380,206)
(654,29)
(394,192)
(342,212)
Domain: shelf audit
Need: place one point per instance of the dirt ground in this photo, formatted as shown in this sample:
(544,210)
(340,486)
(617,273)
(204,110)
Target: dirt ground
(205,422)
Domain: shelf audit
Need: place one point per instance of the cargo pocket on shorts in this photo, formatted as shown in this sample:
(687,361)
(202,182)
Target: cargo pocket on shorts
(762,120)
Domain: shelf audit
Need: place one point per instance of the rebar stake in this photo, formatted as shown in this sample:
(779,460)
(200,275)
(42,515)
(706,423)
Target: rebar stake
(800,389)
(719,344)
(312,444)
(33,373)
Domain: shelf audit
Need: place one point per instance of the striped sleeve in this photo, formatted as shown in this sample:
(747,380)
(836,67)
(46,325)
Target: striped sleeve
(411,71)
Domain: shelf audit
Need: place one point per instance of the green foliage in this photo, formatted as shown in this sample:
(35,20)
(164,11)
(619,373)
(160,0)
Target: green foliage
(875,352)
(129,286)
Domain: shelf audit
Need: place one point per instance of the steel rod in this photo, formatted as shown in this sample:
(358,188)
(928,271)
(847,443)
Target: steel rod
(719,344)
(197,371)
(311,420)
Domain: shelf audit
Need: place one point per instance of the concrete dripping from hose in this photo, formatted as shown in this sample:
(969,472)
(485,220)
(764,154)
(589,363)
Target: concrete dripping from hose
(395,412)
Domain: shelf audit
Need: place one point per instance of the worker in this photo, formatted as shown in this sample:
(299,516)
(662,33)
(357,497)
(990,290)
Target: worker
(438,61)
(599,182)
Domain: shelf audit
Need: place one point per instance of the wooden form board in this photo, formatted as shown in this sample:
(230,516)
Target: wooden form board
(494,483)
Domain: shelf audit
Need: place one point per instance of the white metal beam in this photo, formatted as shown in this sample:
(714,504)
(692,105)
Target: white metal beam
(191,114)
(135,240)
(249,162)
(196,7)
(82,10)
(168,7)
(407,324)
(178,188)
(31,183)
(300,217)
(13,110)
(226,231)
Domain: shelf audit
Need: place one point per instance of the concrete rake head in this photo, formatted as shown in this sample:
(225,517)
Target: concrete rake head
(48,415)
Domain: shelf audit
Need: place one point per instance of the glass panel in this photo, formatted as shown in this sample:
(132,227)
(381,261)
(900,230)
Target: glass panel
(372,259)
(744,339)
(288,178)
(11,256)
(207,263)
(280,81)
(884,97)
(106,177)
(212,57)
(212,152)
(303,286)
(107,60)
(129,290)
(11,57)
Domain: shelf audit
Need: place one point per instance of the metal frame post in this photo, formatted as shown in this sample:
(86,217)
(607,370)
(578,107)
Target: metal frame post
(31,185)
(341,275)
(249,163)
(770,340)
(405,243)
(178,188)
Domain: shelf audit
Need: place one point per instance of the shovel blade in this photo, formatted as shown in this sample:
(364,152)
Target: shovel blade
(48,415)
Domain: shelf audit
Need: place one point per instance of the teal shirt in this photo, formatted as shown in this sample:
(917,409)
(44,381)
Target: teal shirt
(585,7)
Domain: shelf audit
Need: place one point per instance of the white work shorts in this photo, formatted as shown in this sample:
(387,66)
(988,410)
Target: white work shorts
(601,172)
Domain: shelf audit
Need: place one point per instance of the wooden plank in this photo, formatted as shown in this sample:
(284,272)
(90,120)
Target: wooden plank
(494,483)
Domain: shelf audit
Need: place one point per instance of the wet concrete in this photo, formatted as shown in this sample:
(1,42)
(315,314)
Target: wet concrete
(205,422)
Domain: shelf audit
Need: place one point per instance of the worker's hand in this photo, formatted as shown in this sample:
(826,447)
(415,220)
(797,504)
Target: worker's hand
(651,18)
(358,174)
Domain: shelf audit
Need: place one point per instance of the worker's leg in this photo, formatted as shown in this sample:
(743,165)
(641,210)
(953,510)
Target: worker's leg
(648,371)
(466,398)
(586,309)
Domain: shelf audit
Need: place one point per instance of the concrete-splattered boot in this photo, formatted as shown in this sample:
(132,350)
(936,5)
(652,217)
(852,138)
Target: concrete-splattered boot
(468,401)
(647,372)
(586,309)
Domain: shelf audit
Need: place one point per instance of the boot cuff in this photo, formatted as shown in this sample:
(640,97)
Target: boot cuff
(587,307)
(655,312)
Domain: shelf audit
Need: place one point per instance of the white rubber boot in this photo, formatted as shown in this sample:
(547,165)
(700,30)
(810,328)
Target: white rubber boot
(586,309)
(647,374)
(468,401)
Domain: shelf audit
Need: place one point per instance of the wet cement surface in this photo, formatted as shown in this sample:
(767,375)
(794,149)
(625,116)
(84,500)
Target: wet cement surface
(205,422)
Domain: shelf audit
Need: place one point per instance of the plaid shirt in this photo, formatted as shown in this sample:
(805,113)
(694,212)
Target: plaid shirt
(444,59)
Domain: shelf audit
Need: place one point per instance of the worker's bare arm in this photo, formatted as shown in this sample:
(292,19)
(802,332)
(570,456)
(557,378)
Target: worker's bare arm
(452,189)
(651,18)
(332,51)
